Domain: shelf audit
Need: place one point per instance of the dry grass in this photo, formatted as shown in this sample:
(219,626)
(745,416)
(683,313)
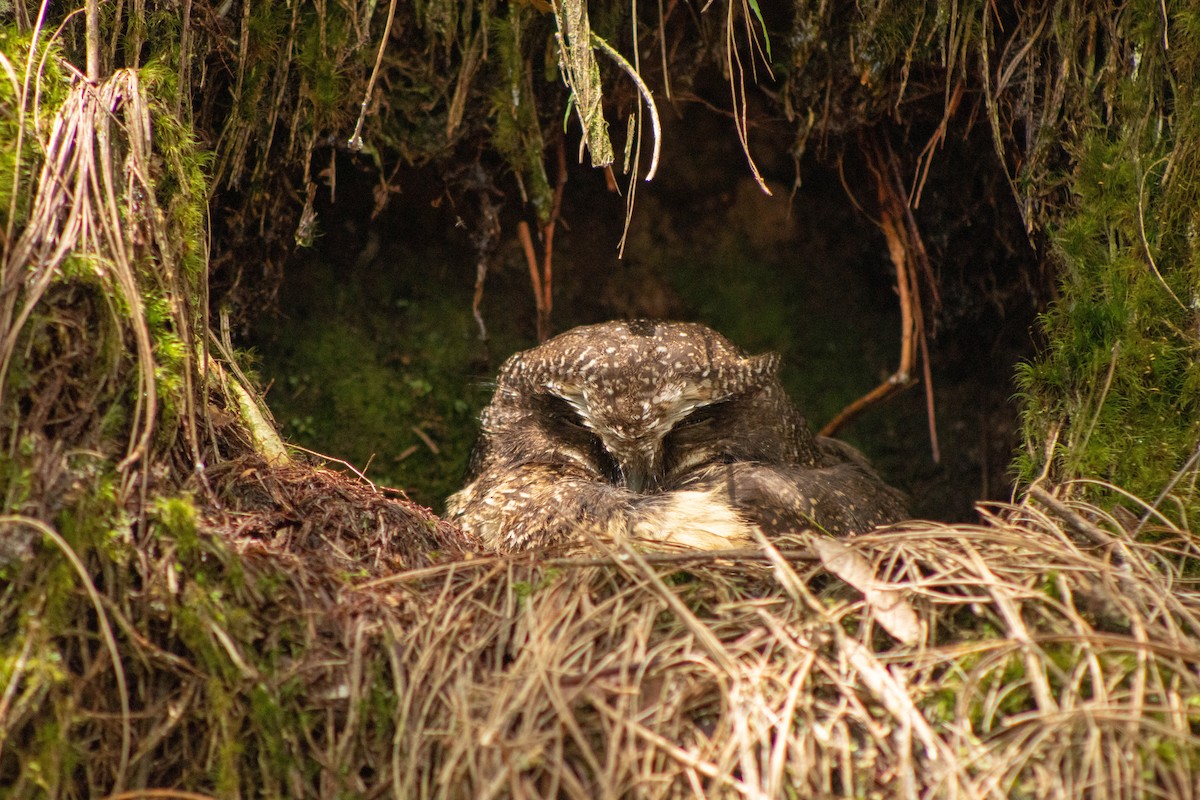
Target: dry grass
(1040,666)
(745,680)
(288,632)
(74,215)
(1041,669)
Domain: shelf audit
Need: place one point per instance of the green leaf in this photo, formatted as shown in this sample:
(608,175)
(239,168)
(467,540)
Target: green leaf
(762,24)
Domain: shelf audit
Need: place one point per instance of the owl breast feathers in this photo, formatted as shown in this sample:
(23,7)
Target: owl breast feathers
(660,431)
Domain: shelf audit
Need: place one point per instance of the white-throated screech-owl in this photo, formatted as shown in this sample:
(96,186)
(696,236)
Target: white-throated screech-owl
(656,430)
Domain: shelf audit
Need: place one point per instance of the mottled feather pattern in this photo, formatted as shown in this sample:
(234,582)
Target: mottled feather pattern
(660,431)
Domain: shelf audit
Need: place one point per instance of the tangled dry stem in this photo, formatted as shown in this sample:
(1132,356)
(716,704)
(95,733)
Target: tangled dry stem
(400,663)
(74,214)
(1042,669)
(314,636)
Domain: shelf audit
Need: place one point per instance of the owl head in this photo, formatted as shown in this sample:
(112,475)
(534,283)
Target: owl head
(643,400)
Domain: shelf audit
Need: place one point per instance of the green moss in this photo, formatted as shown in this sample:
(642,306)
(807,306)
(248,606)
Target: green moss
(1122,359)
(886,38)
(325,82)
(369,365)
(16,475)
(181,180)
(517,133)
(18,167)
(53,755)
(177,516)
(272,711)
(441,19)
(345,398)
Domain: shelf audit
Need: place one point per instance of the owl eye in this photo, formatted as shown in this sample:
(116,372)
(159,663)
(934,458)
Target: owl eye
(704,415)
(560,412)
(566,424)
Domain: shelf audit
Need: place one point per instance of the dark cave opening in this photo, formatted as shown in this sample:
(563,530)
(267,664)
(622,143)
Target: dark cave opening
(374,356)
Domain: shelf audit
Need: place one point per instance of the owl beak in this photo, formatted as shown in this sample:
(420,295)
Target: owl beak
(640,473)
(636,480)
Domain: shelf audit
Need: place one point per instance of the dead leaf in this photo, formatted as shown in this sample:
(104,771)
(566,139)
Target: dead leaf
(887,603)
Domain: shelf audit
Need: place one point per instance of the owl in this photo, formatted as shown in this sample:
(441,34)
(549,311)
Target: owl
(662,431)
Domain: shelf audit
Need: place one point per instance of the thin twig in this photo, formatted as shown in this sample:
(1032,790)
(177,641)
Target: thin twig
(355,143)
(535,277)
(1142,229)
(548,229)
(907,253)
(158,794)
(1074,521)
(543,281)
(93,41)
(110,641)
(925,157)
(644,90)
(1187,467)
(902,377)
(337,460)
(930,405)
(732,556)
(737,89)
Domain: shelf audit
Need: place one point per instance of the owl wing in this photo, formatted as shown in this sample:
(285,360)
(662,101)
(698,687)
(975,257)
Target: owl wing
(537,504)
(839,499)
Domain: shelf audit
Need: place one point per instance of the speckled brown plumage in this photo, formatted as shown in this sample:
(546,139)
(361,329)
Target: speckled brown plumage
(657,430)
